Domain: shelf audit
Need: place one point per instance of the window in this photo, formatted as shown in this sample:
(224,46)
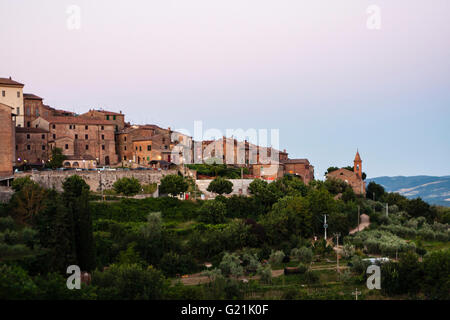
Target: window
(125,158)
(3,93)
(86,136)
(114,117)
(18,94)
(149,148)
(140,148)
(165,147)
(125,148)
(37,112)
(28,111)
(54,136)
(125,138)
(67,146)
(136,148)
(43,147)
(17,147)
(86,127)
(103,137)
(103,147)
(103,128)
(28,136)
(18,111)
(28,124)
(107,117)
(43,137)
(28,147)
(54,126)
(87,147)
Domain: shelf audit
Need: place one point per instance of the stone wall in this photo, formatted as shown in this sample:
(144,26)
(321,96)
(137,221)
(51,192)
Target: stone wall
(238,185)
(97,180)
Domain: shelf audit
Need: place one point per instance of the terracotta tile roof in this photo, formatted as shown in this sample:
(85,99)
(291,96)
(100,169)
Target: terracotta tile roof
(10,82)
(79,120)
(31,96)
(296,161)
(108,112)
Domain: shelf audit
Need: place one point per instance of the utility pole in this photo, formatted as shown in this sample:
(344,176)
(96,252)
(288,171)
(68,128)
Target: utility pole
(325,225)
(356,293)
(337,250)
(387,210)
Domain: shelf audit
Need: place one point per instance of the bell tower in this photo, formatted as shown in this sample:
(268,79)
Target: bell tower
(357,167)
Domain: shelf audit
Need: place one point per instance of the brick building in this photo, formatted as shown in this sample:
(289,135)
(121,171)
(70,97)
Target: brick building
(299,167)
(353,178)
(7,138)
(11,94)
(31,146)
(127,137)
(117,119)
(81,138)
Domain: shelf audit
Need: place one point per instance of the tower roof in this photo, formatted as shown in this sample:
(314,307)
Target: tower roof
(357,157)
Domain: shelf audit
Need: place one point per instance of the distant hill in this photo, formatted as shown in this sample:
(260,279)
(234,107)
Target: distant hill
(434,190)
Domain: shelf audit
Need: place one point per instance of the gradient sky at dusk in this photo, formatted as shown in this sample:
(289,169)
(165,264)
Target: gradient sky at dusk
(309,68)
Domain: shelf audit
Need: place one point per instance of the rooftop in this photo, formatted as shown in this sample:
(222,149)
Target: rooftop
(31,96)
(10,82)
(78,120)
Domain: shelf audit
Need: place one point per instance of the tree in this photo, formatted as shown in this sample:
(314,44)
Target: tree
(375,189)
(76,200)
(212,211)
(56,159)
(436,283)
(220,186)
(127,186)
(129,282)
(231,265)
(173,184)
(28,200)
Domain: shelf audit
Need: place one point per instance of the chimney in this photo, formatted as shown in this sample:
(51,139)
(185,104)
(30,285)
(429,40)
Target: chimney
(10,78)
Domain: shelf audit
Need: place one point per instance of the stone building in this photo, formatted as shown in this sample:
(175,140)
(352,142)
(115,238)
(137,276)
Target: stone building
(31,146)
(81,138)
(125,141)
(118,119)
(353,178)
(7,139)
(299,167)
(11,94)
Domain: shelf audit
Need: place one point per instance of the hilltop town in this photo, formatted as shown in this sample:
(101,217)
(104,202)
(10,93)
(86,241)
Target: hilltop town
(98,138)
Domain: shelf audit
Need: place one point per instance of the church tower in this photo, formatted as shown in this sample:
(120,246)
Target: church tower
(357,167)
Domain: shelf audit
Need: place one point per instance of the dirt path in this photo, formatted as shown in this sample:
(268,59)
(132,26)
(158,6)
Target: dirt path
(198,278)
(364,223)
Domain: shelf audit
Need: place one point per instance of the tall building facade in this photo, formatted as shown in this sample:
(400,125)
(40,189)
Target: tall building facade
(11,94)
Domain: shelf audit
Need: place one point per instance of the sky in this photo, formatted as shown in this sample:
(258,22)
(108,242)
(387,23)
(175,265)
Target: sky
(332,76)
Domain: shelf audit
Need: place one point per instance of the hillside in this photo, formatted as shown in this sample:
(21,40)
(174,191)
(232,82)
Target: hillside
(434,190)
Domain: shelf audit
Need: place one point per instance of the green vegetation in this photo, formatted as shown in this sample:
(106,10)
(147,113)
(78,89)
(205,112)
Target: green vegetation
(218,170)
(220,186)
(127,186)
(173,185)
(140,248)
(56,159)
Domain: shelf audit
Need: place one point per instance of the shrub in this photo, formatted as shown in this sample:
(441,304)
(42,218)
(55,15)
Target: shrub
(348,251)
(303,254)
(276,257)
(231,265)
(212,211)
(220,186)
(302,268)
(265,273)
(127,186)
(173,185)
